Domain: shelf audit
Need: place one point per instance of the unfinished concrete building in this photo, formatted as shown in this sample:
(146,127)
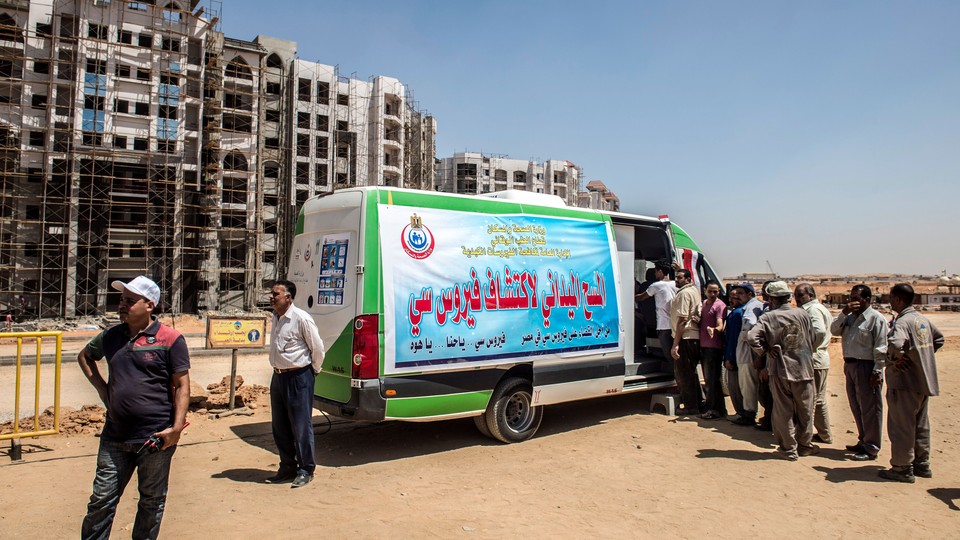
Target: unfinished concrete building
(136,138)
(100,170)
(474,172)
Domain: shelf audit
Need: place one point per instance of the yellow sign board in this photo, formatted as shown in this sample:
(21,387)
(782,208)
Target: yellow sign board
(236,332)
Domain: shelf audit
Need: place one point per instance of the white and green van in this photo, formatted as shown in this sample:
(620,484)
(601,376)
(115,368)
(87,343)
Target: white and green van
(435,306)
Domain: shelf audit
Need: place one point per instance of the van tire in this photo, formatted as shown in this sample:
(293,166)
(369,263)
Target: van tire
(481,423)
(511,416)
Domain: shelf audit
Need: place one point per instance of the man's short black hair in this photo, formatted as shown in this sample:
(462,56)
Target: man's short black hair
(903,291)
(806,288)
(712,282)
(289,286)
(864,291)
(685,273)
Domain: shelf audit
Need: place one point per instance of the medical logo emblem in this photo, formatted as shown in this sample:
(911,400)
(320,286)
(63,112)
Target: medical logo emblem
(416,239)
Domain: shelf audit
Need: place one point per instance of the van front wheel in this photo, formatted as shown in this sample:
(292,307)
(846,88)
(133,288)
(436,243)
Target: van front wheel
(511,416)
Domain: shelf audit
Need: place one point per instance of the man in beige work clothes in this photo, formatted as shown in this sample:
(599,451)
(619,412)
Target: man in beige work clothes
(784,337)
(806,298)
(911,371)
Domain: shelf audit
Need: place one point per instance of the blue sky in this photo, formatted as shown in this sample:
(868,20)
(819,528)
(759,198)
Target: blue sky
(821,136)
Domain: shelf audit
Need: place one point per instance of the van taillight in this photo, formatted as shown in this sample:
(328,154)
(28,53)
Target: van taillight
(366,347)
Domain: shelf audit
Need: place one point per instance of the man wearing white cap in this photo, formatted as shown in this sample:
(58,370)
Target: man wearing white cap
(784,337)
(146,398)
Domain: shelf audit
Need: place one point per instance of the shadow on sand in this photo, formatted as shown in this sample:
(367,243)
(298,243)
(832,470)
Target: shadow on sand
(341,443)
(949,496)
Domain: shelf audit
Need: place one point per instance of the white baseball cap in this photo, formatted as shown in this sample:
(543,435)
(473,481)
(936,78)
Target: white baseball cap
(141,285)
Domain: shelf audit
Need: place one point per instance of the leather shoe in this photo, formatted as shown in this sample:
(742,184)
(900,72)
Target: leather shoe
(863,456)
(811,450)
(923,471)
(743,421)
(819,439)
(764,426)
(856,448)
(302,479)
(898,476)
(281,477)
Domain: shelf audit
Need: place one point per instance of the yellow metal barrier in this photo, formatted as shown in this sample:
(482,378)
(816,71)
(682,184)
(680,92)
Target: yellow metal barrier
(37,432)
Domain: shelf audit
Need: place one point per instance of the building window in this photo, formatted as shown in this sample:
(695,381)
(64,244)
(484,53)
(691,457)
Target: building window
(170,44)
(323,122)
(143,74)
(121,106)
(303,89)
(273,88)
(303,120)
(238,101)
(235,161)
(465,170)
(239,69)
(140,144)
(303,145)
(37,139)
(343,150)
(97,67)
(97,31)
(321,174)
(238,122)
(272,115)
(92,138)
(39,101)
(119,141)
(167,147)
(122,71)
(323,146)
(167,111)
(126,37)
(44,29)
(142,109)
(303,173)
(343,125)
(41,67)
(271,143)
(343,99)
(323,92)
(145,40)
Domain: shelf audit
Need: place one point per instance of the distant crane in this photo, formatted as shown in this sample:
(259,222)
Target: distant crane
(772,271)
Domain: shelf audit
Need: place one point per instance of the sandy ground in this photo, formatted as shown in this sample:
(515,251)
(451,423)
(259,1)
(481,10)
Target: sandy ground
(604,467)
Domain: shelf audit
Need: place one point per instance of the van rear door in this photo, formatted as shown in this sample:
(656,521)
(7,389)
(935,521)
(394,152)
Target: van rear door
(323,264)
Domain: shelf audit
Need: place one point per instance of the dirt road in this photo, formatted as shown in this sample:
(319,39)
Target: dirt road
(604,467)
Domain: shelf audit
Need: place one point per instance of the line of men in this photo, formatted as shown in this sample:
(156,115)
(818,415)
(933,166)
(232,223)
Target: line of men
(773,354)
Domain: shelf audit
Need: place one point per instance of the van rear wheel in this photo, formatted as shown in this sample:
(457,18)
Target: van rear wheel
(511,416)
(481,423)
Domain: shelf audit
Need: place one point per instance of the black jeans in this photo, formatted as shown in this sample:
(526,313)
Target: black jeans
(115,465)
(685,371)
(291,409)
(712,373)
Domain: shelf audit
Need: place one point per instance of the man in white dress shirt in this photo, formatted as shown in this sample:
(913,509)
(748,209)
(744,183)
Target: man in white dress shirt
(296,354)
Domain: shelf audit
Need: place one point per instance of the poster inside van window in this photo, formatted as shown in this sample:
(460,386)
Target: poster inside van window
(476,289)
(333,266)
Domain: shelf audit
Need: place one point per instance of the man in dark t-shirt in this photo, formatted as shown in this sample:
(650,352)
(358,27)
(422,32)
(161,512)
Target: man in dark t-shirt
(147,396)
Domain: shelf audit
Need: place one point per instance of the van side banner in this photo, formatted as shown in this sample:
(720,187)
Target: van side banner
(474,289)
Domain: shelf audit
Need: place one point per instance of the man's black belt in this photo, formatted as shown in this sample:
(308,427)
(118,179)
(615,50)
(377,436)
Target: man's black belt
(279,371)
(856,360)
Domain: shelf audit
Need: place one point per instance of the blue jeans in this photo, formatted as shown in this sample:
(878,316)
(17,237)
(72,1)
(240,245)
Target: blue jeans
(115,465)
(291,410)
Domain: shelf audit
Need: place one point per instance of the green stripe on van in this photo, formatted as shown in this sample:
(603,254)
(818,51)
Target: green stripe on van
(681,239)
(334,381)
(420,407)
